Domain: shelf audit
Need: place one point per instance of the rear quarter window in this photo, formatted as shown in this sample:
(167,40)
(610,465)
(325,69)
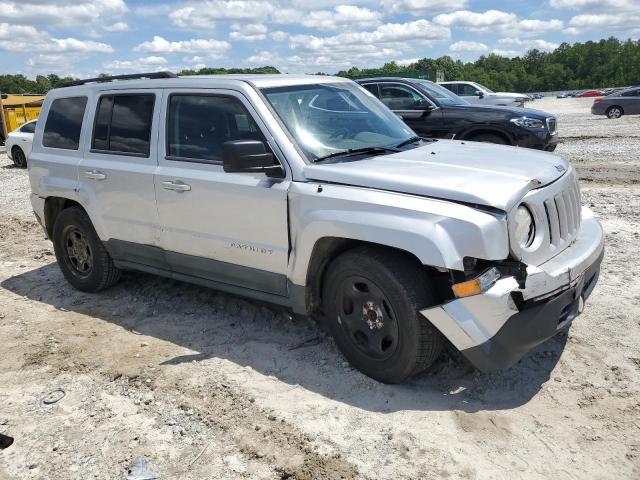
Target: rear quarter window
(64,123)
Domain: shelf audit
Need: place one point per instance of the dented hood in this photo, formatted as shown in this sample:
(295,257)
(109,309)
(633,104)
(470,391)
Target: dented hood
(478,173)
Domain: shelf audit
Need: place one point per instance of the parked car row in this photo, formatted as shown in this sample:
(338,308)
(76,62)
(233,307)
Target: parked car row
(308,192)
(433,111)
(618,103)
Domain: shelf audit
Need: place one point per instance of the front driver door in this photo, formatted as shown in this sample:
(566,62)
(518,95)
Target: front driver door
(414,108)
(227,227)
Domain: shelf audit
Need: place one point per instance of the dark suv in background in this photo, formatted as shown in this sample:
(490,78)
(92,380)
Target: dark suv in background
(433,111)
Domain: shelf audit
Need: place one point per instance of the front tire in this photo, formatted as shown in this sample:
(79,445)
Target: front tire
(614,112)
(84,261)
(371,301)
(19,158)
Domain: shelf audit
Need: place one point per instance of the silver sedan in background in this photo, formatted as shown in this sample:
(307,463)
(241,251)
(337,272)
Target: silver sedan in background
(624,102)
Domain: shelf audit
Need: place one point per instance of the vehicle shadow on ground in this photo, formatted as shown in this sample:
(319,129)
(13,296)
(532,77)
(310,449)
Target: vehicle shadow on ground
(264,337)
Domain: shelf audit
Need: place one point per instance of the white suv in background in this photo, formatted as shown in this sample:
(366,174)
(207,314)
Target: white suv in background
(308,192)
(476,93)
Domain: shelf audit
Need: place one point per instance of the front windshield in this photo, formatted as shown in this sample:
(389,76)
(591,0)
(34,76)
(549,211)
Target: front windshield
(440,94)
(335,117)
(488,90)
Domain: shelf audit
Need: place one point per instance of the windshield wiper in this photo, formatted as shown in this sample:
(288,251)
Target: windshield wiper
(408,141)
(357,151)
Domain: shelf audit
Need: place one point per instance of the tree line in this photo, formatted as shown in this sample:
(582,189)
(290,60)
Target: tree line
(605,63)
(601,64)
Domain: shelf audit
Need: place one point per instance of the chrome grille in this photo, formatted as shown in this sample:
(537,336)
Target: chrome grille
(557,212)
(552,124)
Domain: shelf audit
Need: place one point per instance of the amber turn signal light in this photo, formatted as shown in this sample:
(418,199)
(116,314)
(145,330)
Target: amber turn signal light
(480,284)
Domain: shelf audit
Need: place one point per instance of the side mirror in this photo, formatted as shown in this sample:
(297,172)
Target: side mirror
(249,156)
(478,94)
(426,104)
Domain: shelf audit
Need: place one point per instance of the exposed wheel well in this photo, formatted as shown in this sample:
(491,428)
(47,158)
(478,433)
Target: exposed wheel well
(52,208)
(327,249)
(474,133)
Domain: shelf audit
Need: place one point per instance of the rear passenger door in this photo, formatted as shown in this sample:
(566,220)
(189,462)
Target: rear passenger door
(116,174)
(226,227)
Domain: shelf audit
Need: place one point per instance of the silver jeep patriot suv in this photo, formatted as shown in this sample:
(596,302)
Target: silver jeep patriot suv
(306,191)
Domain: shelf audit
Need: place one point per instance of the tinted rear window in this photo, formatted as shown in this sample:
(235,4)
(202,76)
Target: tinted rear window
(64,122)
(123,124)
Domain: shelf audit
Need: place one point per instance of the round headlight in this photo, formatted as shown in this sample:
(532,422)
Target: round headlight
(525,230)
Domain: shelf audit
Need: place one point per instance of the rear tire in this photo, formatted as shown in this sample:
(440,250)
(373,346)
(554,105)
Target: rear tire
(614,112)
(81,255)
(371,300)
(489,138)
(19,158)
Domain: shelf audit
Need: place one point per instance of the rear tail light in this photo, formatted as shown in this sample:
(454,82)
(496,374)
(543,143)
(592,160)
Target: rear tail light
(598,100)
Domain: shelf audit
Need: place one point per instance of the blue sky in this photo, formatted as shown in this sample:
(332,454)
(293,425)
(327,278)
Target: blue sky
(86,37)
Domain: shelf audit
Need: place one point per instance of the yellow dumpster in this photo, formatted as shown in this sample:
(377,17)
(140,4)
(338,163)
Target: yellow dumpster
(16,110)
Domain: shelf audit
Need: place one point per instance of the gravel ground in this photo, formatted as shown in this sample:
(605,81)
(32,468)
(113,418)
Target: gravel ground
(208,385)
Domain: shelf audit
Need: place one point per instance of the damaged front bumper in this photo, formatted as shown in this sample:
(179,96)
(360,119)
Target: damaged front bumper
(497,328)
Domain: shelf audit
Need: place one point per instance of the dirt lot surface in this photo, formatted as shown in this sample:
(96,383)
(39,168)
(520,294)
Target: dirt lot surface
(207,385)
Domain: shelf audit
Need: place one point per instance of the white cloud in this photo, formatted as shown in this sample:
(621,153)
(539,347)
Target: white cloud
(25,38)
(137,65)
(607,5)
(117,27)
(424,7)
(496,21)
(263,58)
(605,22)
(279,36)
(203,15)
(341,16)
(389,33)
(213,48)
(47,60)
(475,21)
(52,12)
(535,27)
(382,44)
(248,32)
(529,44)
(468,46)
(8,32)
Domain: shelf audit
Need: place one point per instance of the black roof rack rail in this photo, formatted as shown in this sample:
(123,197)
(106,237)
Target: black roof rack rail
(132,76)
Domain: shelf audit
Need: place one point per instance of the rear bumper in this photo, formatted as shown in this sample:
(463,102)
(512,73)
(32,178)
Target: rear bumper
(497,328)
(598,109)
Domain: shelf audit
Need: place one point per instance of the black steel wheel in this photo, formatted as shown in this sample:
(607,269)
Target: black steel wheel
(371,302)
(367,318)
(81,255)
(19,158)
